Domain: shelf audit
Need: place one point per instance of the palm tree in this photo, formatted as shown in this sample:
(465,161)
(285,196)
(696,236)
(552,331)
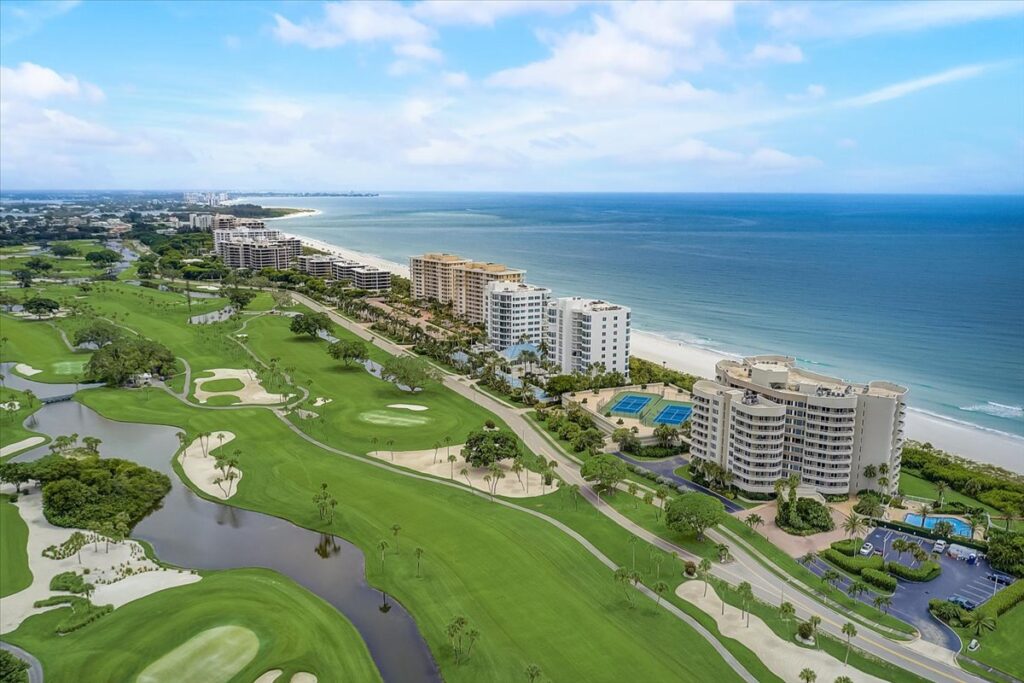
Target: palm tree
(976,519)
(448,445)
(940,488)
(808,559)
(464,472)
(705,569)
(808,676)
(451,462)
(382,546)
(830,577)
(923,509)
(753,521)
(633,489)
(632,546)
(850,631)
(660,587)
(723,552)
(533,672)
(815,622)
(882,602)
(856,588)
(854,525)
(900,545)
(978,621)
(843,679)
(418,552)
(391,447)
(437,447)
(622,576)
(746,593)
(787,611)
(395,528)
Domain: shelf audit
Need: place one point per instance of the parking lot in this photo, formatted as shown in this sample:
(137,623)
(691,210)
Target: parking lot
(910,601)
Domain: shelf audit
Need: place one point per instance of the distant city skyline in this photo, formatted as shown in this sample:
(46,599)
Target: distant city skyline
(905,97)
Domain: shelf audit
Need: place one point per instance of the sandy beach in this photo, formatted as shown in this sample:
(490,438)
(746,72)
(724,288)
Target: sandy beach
(976,443)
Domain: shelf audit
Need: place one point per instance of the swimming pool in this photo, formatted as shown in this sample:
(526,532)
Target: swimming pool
(960,527)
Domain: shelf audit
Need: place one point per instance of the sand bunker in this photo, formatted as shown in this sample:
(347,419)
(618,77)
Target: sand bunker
(408,406)
(392,419)
(202,470)
(26,370)
(784,658)
(21,445)
(321,401)
(272,676)
(268,676)
(252,392)
(303,677)
(107,570)
(216,654)
(10,405)
(428,463)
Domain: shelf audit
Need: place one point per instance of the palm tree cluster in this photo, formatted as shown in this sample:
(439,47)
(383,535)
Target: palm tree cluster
(462,637)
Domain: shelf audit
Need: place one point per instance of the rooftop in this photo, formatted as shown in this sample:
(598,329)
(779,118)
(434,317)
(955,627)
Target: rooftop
(781,373)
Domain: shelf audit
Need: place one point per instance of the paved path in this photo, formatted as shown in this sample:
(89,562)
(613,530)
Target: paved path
(929,661)
(35,668)
(666,467)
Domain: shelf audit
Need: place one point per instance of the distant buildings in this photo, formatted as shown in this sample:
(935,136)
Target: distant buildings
(255,247)
(225,221)
(205,198)
(515,312)
(583,332)
(200,221)
(358,274)
(451,279)
(764,419)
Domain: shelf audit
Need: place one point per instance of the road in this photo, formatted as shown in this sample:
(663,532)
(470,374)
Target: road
(924,659)
(35,669)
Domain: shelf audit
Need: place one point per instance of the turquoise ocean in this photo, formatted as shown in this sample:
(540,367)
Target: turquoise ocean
(926,291)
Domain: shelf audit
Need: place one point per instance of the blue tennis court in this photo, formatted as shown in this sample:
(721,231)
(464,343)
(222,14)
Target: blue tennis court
(673,415)
(631,405)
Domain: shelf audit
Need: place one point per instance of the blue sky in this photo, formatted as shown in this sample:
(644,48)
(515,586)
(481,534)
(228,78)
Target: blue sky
(675,96)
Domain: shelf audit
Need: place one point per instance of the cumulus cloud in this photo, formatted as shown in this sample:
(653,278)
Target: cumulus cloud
(33,82)
(779,54)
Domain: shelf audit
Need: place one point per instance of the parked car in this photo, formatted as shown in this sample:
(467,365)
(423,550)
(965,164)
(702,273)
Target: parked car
(963,602)
(1001,579)
(867,549)
(939,547)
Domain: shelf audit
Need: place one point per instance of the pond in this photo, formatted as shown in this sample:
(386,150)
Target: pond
(190,531)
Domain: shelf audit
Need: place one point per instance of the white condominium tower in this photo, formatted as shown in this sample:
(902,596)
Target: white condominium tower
(451,279)
(515,312)
(764,419)
(583,332)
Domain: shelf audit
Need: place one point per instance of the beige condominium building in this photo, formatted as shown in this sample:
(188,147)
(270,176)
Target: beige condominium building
(451,279)
(764,418)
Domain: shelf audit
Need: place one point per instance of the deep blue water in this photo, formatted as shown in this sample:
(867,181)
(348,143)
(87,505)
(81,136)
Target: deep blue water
(925,291)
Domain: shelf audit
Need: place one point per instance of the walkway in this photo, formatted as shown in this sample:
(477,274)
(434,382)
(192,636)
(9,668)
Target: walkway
(666,467)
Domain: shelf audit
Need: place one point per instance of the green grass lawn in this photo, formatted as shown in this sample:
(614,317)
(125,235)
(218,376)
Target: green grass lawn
(37,343)
(297,631)
(11,428)
(517,579)
(1001,648)
(14,572)
(225,384)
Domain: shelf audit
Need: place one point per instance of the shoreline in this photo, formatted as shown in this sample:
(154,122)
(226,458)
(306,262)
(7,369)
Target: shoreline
(973,442)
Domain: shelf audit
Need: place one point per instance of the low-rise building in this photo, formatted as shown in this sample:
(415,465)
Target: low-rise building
(317,265)
(256,254)
(583,332)
(515,313)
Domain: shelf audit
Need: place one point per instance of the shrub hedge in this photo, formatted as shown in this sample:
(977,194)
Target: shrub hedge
(855,564)
(1009,597)
(848,546)
(879,579)
(926,572)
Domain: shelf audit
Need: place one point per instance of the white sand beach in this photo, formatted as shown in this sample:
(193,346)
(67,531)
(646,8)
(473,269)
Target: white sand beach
(976,443)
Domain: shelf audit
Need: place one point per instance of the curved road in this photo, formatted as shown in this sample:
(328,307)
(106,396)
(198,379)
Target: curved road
(924,659)
(35,669)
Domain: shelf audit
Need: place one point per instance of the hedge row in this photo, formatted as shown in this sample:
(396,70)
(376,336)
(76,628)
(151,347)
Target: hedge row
(926,572)
(1009,597)
(879,579)
(849,546)
(82,617)
(854,565)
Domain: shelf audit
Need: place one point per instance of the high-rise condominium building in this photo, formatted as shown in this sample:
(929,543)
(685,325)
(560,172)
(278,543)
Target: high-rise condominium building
(764,419)
(515,312)
(255,248)
(448,278)
(583,332)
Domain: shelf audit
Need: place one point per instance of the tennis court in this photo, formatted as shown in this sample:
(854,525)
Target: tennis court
(631,405)
(673,414)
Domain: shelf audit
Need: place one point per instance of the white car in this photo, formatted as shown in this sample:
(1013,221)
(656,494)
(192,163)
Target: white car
(939,547)
(867,549)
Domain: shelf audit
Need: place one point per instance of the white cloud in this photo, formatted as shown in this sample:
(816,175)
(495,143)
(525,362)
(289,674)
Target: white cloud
(780,54)
(33,82)
(814,91)
(698,150)
(769,159)
(897,90)
(761,159)
(486,13)
(635,53)
(21,20)
(363,21)
(455,79)
(852,20)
